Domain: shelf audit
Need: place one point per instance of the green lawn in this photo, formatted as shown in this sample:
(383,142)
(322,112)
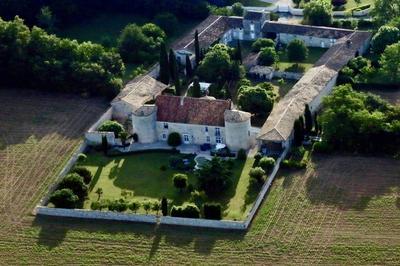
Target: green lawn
(254,3)
(351,4)
(285,65)
(138,176)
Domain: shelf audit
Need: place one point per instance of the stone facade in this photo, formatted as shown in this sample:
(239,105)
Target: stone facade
(310,41)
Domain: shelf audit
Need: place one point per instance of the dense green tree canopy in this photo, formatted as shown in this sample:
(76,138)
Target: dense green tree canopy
(385,36)
(255,100)
(214,176)
(297,50)
(268,56)
(390,63)
(385,10)
(261,43)
(35,59)
(138,44)
(167,21)
(356,121)
(318,12)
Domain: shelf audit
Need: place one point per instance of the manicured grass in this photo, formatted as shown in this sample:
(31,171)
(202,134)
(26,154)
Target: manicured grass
(313,55)
(140,176)
(351,4)
(254,3)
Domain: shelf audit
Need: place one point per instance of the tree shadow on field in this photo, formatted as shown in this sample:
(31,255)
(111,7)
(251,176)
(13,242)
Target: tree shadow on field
(53,231)
(351,182)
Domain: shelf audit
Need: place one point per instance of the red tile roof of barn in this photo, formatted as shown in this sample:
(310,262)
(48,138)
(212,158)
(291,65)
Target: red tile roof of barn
(190,110)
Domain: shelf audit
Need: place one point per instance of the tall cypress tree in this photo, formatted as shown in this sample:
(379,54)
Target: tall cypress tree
(178,89)
(316,124)
(164,206)
(164,71)
(196,90)
(308,120)
(238,52)
(173,66)
(197,47)
(189,69)
(298,134)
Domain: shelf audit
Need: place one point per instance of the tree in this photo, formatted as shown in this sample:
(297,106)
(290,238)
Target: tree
(173,66)
(196,89)
(180,181)
(134,206)
(104,144)
(255,100)
(385,10)
(297,3)
(118,205)
(262,43)
(167,21)
(111,126)
(186,211)
(46,19)
(123,136)
(237,9)
(385,36)
(268,56)
(297,50)
(212,211)
(257,174)
(64,198)
(174,139)
(189,69)
(214,176)
(156,206)
(164,206)
(338,3)
(267,163)
(308,120)
(318,12)
(74,182)
(140,44)
(316,124)
(197,48)
(298,135)
(164,64)
(146,206)
(390,63)
(238,52)
(84,173)
(99,192)
(178,87)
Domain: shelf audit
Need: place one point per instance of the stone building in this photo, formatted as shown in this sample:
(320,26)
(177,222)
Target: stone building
(197,120)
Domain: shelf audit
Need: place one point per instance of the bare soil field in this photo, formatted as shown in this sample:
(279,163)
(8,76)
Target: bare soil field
(341,210)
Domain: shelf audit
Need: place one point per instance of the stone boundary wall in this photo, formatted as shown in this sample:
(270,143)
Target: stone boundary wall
(67,168)
(264,190)
(94,137)
(206,223)
(99,215)
(288,75)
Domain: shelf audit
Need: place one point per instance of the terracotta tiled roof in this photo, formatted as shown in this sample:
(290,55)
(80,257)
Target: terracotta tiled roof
(189,110)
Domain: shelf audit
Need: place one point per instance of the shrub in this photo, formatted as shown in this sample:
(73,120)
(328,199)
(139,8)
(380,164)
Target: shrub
(267,163)
(156,206)
(293,164)
(242,155)
(84,173)
(258,157)
(111,126)
(198,197)
(167,21)
(180,181)
(174,139)
(64,198)
(163,168)
(262,43)
(118,205)
(164,206)
(146,206)
(74,182)
(268,56)
(297,50)
(385,36)
(322,147)
(95,205)
(318,12)
(186,211)
(81,157)
(212,211)
(237,9)
(134,206)
(257,173)
(255,100)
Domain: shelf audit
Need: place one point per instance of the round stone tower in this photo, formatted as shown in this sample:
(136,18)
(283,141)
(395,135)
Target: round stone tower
(144,123)
(237,129)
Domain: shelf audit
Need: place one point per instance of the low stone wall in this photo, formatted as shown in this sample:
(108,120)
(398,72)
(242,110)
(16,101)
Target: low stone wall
(95,138)
(67,168)
(264,190)
(288,75)
(99,215)
(231,225)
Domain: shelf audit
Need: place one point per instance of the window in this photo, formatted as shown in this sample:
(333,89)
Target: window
(165,125)
(208,139)
(217,132)
(206,129)
(218,140)
(164,136)
(186,138)
(252,27)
